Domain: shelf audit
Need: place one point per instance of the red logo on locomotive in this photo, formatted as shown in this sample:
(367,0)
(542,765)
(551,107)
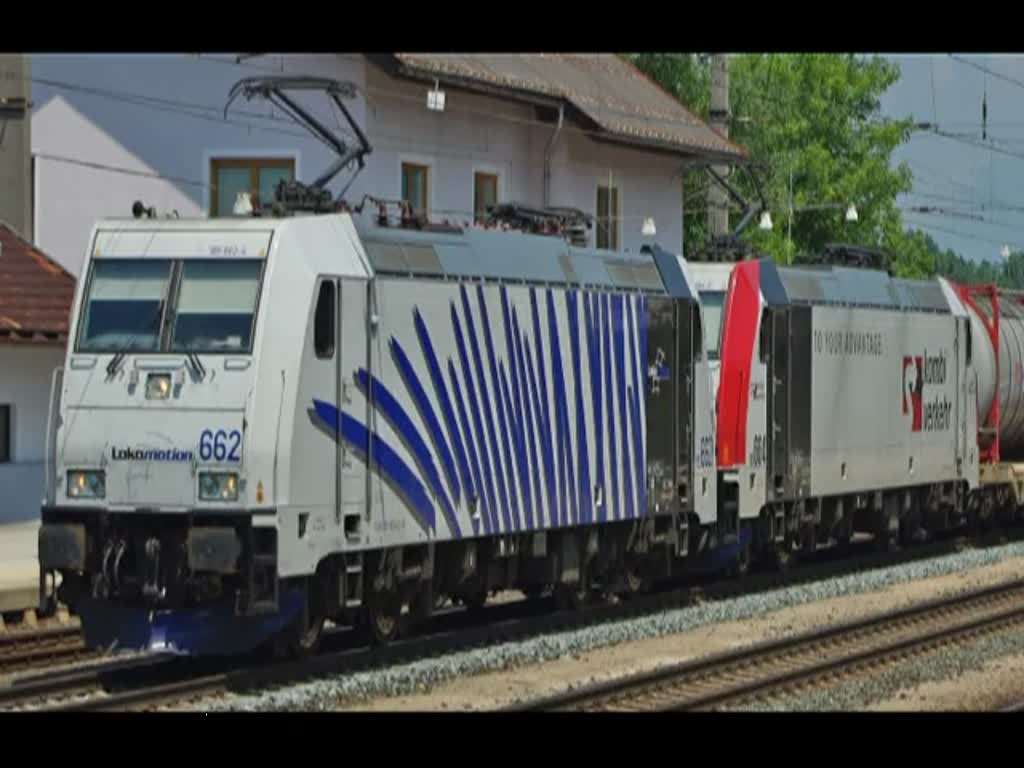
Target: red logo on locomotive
(913,386)
(931,411)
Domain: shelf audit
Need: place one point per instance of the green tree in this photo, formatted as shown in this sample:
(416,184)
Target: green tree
(812,124)
(949,264)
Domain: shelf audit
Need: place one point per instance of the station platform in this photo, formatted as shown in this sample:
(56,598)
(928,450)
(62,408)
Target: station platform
(19,566)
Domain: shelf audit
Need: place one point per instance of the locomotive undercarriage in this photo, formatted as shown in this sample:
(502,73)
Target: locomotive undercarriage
(164,562)
(387,591)
(170,562)
(895,517)
(177,561)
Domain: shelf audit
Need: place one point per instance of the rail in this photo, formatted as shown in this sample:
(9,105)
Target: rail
(450,632)
(816,657)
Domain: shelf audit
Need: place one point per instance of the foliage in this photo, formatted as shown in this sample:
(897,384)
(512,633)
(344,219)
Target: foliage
(813,128)
(950,264)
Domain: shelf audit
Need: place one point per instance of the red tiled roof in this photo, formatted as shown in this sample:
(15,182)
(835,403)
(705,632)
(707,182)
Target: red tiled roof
(35,293)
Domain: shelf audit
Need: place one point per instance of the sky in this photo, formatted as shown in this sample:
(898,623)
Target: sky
(977,183)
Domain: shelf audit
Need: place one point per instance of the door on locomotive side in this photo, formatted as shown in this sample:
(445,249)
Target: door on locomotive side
(676,366)
(354,328)
(314,475)
(701,406)
(668,454)
(775,345)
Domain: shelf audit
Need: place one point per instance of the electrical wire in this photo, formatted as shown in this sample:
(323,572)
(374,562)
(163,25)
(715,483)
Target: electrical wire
(203,111)
(966,235)
(120,169)
(964,139)
(147,99)
(986,70)
(184,107)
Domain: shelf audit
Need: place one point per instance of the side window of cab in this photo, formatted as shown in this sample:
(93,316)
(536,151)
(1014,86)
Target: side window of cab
(323,320)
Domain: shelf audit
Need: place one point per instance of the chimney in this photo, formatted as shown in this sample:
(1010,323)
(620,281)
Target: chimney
(16,144)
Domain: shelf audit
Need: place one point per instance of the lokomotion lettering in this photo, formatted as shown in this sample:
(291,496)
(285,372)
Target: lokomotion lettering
(149,454)
(849,343)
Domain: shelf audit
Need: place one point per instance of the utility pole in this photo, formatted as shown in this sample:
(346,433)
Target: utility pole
(15,144)
(718,199)
(789,231)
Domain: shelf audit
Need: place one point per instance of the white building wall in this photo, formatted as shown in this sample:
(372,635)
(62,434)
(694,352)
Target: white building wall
(70,197)
(474,133)
(650,186)
(104,124)
(80,139)
(25,376)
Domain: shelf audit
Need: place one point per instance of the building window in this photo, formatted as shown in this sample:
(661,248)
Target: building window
(231,175)
(485,194)
(5,434)
(608,217)
(415,180)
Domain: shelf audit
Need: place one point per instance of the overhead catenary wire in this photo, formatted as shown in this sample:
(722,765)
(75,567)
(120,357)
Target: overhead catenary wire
(207,112)
(465,212)
(965,139)
(212,113)
(120,169)
(173,106)
(161,104)
(965,235)
(920,170)
(170,104)
(987,70)
(971,205)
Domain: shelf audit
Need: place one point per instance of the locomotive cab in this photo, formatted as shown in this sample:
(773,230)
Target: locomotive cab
(160,488)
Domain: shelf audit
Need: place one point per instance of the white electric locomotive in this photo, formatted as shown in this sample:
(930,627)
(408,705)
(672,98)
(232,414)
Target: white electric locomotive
(850,401)
(267,422)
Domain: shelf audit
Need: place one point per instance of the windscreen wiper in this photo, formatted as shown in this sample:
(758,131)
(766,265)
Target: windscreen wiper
(193,359)
(115,362)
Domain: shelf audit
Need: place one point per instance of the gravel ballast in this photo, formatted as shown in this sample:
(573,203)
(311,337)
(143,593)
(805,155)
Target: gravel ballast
(422,675)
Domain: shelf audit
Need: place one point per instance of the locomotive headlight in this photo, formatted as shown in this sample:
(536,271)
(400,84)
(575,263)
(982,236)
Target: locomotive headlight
(86,485)
(158,386)
(218,486)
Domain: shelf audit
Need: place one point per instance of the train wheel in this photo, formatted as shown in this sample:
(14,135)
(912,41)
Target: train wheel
(475,601)
(634,581)
(741,566)
(535,591)
(307,639)
(574,596)
(384,616)
(782,557)
(885,542)
(302,636)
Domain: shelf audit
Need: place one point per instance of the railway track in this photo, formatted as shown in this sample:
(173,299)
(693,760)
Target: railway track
(159,681)
(23,650)
(815,658)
